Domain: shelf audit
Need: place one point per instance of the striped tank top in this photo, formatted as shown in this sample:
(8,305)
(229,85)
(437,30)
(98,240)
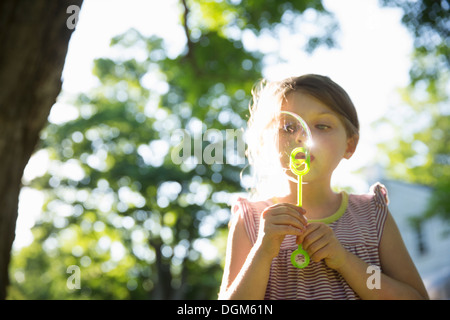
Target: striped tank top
(358,224)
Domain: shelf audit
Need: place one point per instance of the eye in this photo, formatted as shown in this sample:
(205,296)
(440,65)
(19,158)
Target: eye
(289,127)
(322,127)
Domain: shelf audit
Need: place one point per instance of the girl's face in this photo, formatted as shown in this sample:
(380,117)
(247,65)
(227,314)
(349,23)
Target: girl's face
(330,141)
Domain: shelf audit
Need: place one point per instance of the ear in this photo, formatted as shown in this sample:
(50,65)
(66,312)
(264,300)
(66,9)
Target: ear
(352,142)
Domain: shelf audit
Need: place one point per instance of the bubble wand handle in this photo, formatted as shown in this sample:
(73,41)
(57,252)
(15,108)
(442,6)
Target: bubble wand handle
(300,167)
(299,191)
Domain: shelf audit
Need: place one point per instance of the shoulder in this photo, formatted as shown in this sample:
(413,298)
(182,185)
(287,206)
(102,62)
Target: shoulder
(248,213)
(380,194)
(377,196)
(372,207)
(245,206)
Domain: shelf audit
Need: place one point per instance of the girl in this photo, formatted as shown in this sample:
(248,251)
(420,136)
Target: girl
(348,237)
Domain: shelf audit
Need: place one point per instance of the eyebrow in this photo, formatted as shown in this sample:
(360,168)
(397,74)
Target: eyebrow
(326,113)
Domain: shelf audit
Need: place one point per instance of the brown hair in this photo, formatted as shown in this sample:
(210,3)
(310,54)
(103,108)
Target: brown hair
(329,93)
(262,127)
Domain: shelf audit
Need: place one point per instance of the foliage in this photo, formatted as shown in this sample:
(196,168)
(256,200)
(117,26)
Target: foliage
(420,149)
(137,225)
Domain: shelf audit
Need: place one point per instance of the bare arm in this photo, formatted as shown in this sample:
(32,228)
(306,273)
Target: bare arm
(247,265)
(246,272)
(399,278)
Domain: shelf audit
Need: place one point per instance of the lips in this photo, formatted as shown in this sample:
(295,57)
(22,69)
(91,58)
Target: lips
(301,155)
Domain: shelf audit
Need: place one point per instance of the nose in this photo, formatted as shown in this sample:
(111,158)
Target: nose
(302,140)
(300,137)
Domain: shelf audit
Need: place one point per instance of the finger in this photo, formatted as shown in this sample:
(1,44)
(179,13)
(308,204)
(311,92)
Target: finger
(298,209)
(286,219)
(293,206)
(316,245)
(311,234)
(286,230)
(292,210)
(319,254)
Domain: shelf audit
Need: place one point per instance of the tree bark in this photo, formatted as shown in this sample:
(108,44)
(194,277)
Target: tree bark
(34,40)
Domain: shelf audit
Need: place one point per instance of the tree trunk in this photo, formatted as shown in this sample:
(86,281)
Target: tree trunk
(34,39)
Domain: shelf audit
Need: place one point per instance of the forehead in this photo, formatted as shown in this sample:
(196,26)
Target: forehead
(305,104)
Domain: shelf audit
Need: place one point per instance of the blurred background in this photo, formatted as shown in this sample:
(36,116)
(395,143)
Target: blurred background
(102,193)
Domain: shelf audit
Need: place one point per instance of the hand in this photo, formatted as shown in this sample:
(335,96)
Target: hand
(321,243)
(276,222)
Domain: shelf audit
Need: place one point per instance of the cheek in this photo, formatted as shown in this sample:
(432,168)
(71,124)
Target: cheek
(329,148)
(284,158)
(285,147)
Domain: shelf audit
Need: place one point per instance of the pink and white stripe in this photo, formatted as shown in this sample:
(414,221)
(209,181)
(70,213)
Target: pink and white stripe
(359,230)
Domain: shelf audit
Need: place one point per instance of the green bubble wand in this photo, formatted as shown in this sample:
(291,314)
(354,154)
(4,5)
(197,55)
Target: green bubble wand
(300,167)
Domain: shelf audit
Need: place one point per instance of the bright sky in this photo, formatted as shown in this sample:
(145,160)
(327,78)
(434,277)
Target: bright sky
(372,61)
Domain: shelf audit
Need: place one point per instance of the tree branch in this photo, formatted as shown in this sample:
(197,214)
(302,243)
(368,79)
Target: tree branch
(187,31)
